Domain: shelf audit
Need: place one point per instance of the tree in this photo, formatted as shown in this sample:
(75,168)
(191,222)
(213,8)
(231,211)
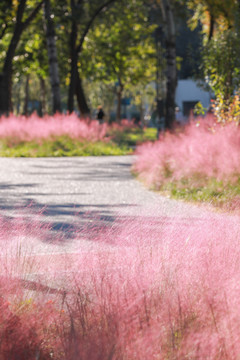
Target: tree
(30,65)
(52,57)
(5,16)
(214,15)
(21,19)
(171,63)
(221,64)
(122,50)
(31,62)
(82,17)
(220,51)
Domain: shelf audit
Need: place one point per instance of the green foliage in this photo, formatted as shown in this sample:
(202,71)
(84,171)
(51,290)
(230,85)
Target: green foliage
(223,13)
(122,143)
(133,136)
(199,109)
(121,49)
(31,56)
(204,190)
(221,64)
(62,146)
(227,111)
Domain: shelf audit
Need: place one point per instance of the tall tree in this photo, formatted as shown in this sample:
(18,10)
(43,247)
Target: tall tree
(170,32)
(214,15)
(122,50)
(82,21)
(52,57)
(220,49)
(20,24)
(31,60)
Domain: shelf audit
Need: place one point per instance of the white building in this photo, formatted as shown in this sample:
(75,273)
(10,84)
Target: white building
(188,94)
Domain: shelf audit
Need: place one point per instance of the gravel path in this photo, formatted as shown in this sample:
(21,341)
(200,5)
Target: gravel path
(80,190)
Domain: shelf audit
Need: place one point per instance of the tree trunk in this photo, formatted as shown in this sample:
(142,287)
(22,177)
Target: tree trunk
(73,76)
(141,110)
(26,100)
(18,98)
(119,102)
(211,27)
(4,94)
(6,75)
(43,109)
(75,86)
(81,99)
(52,58)
(168,18)
(237,20)
(171,84)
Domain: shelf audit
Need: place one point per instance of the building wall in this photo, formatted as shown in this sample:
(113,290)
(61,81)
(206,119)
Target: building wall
(188,91)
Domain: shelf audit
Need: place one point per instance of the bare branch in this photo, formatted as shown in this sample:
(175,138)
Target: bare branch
(3,31)
(89,24)
(32,15)
(20,11)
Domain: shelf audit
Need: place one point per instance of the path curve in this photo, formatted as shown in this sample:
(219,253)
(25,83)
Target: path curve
(66,189)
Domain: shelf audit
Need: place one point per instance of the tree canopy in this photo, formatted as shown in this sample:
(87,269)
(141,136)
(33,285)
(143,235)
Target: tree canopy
(87,52)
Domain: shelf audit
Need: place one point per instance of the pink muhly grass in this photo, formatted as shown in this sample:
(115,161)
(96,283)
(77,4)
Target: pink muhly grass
(164,288)
(32,128)
(124,124)
(35,128)
(204,148)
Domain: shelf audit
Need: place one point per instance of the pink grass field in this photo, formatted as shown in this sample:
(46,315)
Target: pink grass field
(204,148)
(149,288)
(36,128)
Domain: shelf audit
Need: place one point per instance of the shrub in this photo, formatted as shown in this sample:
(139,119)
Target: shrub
(147,288)
(21,128)
(203,149)
(67,135)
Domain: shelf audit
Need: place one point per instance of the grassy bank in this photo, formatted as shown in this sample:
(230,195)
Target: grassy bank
(200,163)
(63,135)
(220,194)
(61,146)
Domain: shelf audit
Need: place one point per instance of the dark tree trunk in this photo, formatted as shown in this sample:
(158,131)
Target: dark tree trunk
(6,75)
(52,58)
(211,27)
(26,100)
(168,17)
(72,85)
(73,76)
(4,94)
(18,98)
(75,86)
(238,15)
(81,99)
(43,109)
(119,102)
(171,84)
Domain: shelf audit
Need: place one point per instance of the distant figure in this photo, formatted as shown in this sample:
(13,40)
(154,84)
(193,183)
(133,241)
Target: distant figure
(100,115)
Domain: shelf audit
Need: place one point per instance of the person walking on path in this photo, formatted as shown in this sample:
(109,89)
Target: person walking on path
(100,115)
